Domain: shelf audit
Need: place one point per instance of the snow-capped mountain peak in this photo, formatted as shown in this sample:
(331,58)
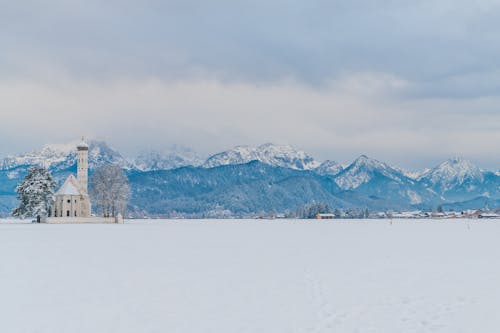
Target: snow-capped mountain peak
(63,156)
(172,158)
(100,153)
(453,172)
(275,155)
(362,170)
(364,160)
(330,168)
(415,175)
(50,154)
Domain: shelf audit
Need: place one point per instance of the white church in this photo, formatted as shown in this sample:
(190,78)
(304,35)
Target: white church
(72,199)
(72,202)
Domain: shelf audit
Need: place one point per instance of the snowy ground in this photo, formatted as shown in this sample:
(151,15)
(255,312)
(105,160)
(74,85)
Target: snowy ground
(251,276)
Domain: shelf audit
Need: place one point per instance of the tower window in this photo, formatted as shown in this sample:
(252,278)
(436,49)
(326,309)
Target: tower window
(69,201)
(67,213)
(75,213)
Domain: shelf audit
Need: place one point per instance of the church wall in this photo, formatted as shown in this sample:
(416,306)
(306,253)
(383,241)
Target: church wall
(61,205)
(78,204)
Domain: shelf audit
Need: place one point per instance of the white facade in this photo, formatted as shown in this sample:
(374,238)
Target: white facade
(72,199)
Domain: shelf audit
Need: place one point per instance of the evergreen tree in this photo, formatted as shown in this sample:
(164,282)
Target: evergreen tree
(35,193)
(440,209)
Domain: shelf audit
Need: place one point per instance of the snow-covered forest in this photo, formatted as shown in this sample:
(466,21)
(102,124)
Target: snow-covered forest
(265,180)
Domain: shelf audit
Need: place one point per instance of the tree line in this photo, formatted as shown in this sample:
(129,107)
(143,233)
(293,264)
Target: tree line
(109,191)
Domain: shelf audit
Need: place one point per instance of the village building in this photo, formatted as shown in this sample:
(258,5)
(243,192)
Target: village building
(325,216)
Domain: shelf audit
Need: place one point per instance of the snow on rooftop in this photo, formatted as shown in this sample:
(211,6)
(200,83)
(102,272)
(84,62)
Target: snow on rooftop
(70,187)
(83,144)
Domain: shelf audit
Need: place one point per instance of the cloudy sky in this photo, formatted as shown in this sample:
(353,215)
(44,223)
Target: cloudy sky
(406,81)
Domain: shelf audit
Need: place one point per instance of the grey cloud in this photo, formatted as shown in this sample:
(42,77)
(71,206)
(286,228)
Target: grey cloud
(310,41)
(341,121)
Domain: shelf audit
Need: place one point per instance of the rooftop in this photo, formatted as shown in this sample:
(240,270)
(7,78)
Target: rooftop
(70,187)
(83,144)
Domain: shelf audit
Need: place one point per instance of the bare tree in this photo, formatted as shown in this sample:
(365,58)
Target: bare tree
(109,190)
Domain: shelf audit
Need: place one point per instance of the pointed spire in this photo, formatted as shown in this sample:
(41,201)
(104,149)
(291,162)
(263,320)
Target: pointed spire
(83,144)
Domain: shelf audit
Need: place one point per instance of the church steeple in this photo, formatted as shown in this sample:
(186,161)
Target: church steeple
(83,165)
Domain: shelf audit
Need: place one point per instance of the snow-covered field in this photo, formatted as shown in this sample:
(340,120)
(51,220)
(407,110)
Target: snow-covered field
(251,276)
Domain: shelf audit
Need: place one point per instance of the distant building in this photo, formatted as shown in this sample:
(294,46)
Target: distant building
(474,214)
(325,216)
(410,215)
(489,216)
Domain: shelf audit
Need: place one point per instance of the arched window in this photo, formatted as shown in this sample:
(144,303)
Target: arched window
(67,213)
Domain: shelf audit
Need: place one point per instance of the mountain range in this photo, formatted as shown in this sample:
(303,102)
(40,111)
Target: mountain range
(245,181)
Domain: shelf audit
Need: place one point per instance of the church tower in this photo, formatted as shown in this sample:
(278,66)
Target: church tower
(83,165)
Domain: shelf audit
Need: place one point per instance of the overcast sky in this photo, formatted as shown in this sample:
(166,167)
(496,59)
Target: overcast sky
(406,81)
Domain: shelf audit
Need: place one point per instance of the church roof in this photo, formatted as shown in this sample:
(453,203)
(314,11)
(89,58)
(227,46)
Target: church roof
(70,187)
(83,144)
